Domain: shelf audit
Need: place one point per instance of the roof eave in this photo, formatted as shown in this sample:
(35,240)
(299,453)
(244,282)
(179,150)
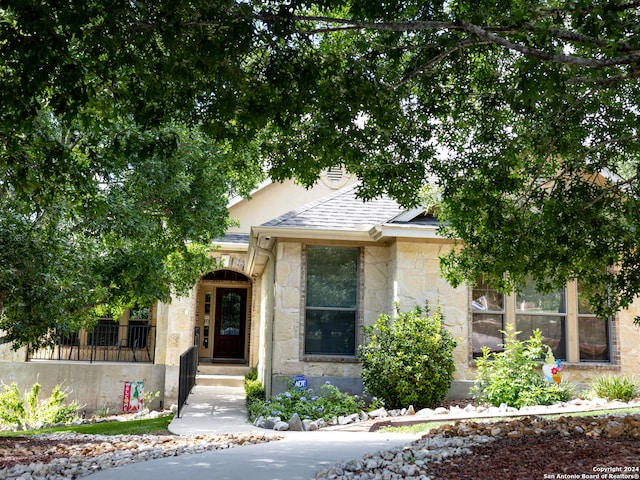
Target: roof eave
(312,233)
(387,230)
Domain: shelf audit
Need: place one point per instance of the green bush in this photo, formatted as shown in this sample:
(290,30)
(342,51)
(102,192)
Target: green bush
(27,413)
(615,388)
(326,403)
(253,388)
(254,393)
(408,361)
(514,376)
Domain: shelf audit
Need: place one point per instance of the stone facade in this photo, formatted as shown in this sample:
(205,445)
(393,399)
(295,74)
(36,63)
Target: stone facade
(406,272)
(399,268)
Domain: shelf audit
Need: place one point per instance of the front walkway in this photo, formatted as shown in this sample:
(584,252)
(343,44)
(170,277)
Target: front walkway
(213,410)
(298,456)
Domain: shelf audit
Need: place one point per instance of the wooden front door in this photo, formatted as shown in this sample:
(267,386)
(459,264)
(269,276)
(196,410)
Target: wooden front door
(230,321)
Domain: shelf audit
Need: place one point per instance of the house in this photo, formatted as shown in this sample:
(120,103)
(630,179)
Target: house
(299,276)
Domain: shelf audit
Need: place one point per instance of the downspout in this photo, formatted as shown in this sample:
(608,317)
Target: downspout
(269,321)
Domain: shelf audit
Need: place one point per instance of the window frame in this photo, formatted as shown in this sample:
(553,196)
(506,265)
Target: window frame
(571,326)
(328,357)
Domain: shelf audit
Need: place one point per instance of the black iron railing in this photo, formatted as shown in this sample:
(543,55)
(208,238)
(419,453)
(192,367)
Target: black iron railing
(188,372)
(105,343)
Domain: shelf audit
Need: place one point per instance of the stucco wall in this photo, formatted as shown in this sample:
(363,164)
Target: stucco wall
(92,385)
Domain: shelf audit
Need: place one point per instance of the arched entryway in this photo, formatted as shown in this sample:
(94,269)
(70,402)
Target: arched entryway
(223,316)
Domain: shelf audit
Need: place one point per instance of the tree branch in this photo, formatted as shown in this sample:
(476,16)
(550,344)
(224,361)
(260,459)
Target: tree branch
(483,33)
(552,57)
(414,73)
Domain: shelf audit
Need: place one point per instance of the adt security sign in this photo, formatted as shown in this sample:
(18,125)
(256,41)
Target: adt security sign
(300,382)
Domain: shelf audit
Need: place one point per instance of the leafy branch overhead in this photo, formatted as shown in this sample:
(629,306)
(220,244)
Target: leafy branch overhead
(126,125)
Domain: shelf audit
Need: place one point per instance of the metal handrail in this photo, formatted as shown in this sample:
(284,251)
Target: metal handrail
(187,376)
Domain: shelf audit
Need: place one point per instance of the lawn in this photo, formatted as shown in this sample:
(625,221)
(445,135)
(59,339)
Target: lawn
(154,426)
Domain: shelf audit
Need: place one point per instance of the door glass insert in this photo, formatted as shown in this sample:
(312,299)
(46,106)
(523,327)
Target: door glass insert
(206,320)
(231,314)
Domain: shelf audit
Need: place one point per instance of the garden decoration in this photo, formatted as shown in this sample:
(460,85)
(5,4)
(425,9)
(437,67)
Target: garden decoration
(552,368)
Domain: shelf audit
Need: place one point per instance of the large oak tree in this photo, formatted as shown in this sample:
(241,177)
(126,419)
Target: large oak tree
(119,117)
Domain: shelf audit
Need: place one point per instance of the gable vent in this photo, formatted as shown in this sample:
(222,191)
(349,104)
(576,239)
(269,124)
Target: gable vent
(335,174)
(335,177)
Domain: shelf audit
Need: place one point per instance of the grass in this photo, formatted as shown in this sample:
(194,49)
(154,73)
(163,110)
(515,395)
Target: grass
(153,426)
(426,426)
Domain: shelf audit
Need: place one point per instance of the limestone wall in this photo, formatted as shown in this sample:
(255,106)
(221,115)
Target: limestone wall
(416,280)
(288,316)
(176,322)
(8,354)
(264,287)
(628,340)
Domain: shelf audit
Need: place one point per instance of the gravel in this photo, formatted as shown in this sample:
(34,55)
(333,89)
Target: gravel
(64,456)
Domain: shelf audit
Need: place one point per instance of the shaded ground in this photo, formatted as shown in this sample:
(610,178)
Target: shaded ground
(526,458)
(546,457)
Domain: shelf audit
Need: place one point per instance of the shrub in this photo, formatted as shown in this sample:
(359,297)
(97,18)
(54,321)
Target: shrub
(615,388)
(27,413)
(514,375)
(254,393)
(408,361)
(326,403)
(253,387)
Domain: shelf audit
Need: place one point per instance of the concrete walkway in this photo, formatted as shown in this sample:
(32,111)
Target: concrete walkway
(300,455)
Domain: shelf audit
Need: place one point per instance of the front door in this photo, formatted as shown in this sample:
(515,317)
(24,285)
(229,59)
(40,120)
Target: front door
(230,319)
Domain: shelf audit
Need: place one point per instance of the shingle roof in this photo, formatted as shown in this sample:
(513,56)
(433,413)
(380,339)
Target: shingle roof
(239,238)
(339,211)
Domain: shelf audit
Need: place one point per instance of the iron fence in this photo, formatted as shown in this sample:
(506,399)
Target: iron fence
(105,343)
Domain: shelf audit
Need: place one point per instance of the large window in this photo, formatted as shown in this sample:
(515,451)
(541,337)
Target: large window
(560,315)
(331,309)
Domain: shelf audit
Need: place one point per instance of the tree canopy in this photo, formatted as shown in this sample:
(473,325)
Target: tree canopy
(126,124)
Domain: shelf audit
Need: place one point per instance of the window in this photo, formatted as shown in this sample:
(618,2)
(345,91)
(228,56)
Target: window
(555,314)
(545,312)
(138,327)
(593,333)
(331,309)
(105,333)
(487,319)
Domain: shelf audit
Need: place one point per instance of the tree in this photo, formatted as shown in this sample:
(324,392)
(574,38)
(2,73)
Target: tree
(524,111)
(133,229)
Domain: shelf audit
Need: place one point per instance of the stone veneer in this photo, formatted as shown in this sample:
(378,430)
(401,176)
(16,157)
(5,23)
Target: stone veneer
(406,272)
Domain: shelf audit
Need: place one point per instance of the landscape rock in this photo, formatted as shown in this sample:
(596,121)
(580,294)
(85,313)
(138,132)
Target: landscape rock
(281,426)
(271,422)
(378,413)
(295,424)
(62,456)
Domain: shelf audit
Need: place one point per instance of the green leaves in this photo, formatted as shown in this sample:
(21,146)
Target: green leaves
(408,360)
(126,125)
(121,221)
(514,376)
